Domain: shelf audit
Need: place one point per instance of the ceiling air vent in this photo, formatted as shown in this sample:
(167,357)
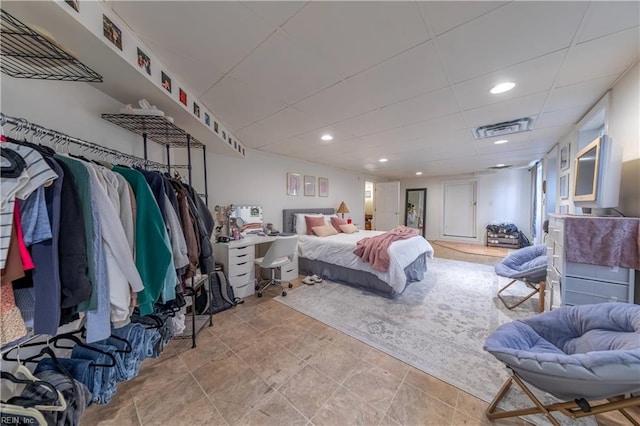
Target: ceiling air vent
(505,128)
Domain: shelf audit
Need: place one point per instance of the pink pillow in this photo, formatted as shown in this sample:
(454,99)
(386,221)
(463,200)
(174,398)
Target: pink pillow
(349,228)
(324,230)
(313,221)
(337,221)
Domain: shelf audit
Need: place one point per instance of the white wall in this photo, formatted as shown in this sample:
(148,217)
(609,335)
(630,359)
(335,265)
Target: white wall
(624,127)
(260,179)
(504,196)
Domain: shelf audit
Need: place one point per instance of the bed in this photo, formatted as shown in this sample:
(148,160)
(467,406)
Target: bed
(332,258)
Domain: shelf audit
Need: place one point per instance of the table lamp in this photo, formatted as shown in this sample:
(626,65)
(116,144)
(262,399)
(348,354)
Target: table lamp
(342,209)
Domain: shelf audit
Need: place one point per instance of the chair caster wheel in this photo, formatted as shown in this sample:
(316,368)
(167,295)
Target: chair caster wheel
(290,285)
(284,293)
(259,294)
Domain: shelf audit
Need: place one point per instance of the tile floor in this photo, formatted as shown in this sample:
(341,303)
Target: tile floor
(263,363)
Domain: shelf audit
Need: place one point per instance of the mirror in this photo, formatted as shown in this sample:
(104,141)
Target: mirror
(416,209)
(248,218)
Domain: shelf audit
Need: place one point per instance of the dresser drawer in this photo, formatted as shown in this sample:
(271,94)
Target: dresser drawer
(240,279)
(244,290)
(605,273)
(572,299)
(289,271)
(240,265)
(608,292)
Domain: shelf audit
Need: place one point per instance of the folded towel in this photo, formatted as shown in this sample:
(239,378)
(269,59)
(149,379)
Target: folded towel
(607,241)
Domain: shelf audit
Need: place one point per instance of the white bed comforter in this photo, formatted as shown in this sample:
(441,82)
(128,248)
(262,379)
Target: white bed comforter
(338,250)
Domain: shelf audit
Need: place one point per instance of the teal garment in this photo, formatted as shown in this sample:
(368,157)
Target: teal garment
(81,179)
(153,253)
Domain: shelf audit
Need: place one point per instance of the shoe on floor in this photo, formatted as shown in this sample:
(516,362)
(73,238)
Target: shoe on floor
(308,280)
(316,279)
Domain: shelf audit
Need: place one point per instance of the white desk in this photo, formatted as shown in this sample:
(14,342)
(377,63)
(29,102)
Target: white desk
(237,258)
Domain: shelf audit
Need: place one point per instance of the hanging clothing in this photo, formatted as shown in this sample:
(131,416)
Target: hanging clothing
(153,253)
(12,326)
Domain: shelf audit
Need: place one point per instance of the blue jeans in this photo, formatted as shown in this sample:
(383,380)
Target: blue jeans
(129,362)
(104,381)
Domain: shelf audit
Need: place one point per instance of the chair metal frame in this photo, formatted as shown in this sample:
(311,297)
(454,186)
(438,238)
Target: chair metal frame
(573,409)
(538,288)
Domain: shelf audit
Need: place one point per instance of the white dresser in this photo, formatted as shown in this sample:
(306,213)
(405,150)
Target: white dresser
(581,283)
(237,259)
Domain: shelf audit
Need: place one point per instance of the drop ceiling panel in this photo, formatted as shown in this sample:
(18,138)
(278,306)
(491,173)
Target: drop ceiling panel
(275,12)
(284,147)
(586,93)
(198,29)
(444,15)
(508,35)
(423,107)
(239,105)
(338,102)
(282,69)
(368,123)
(532,76)
(360,34)
(608,17)
(279,126)
(312,138)
(404,76)
(601,57)
(196,74)
(561,117)
(505,111)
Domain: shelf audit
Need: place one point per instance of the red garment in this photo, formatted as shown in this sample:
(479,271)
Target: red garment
(27,263)
(375,250)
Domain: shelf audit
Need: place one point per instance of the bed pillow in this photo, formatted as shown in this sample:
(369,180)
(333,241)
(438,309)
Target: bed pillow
(324,230)
(300,224)
(313,221)
(327,218)
(337,221)
(349,228)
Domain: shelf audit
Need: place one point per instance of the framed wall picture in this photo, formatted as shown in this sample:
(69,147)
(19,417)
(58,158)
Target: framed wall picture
(183,97)
(564,186)
(323,187)
(111,32)
(144,62)
(564,157)
(293,184)
(166,82)
(309,186)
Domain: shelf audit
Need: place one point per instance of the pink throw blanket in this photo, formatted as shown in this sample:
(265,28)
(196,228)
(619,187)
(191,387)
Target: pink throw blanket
(608,241)
(375,249)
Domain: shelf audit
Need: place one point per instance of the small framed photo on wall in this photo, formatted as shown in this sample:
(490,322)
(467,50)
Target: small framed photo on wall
(564,157)
(293,184)
(564,186)
(323,187)
(309,186)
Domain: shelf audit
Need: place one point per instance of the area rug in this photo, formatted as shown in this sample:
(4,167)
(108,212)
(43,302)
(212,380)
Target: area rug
(474,248)
(438,325)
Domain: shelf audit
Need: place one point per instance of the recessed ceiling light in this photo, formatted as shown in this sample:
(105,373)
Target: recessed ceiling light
(501,141)
(502,87)
(326,137)
(383,160)
(499,165)
(418,173)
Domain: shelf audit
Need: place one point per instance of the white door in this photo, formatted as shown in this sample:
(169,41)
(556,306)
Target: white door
(460,209)
(387,206)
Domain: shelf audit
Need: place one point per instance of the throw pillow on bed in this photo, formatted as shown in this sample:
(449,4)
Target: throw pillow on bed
(349,228)
(312,222)
(337,221)
(324,230)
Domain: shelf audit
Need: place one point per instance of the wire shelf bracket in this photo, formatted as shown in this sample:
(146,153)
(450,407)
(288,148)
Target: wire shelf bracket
(26,53)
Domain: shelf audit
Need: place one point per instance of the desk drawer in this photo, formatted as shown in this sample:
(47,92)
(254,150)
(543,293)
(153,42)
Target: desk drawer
(573,298)
(241,265)
(242,251)
(244,290)
(289,271)
(608,292)
(240,279)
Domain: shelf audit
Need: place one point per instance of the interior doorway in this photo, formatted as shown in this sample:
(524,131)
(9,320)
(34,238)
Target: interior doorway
(368,205)
(459,209)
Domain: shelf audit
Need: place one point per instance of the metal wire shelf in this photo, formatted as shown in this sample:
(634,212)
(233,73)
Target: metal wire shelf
(28,54)
(155,127)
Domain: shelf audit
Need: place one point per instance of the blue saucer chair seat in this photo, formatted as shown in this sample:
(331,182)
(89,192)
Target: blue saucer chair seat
(579,354)
(529,265)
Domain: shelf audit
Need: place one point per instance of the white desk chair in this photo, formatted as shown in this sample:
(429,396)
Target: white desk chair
(281,252)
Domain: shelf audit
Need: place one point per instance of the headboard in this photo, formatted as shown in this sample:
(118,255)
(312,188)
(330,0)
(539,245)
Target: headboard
(288,216)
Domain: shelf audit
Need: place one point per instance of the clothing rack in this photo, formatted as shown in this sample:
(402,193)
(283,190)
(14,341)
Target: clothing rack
(21,125)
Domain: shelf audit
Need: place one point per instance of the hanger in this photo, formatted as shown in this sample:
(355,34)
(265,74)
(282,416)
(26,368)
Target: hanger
(54,402)
(78,342)
(83,332)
